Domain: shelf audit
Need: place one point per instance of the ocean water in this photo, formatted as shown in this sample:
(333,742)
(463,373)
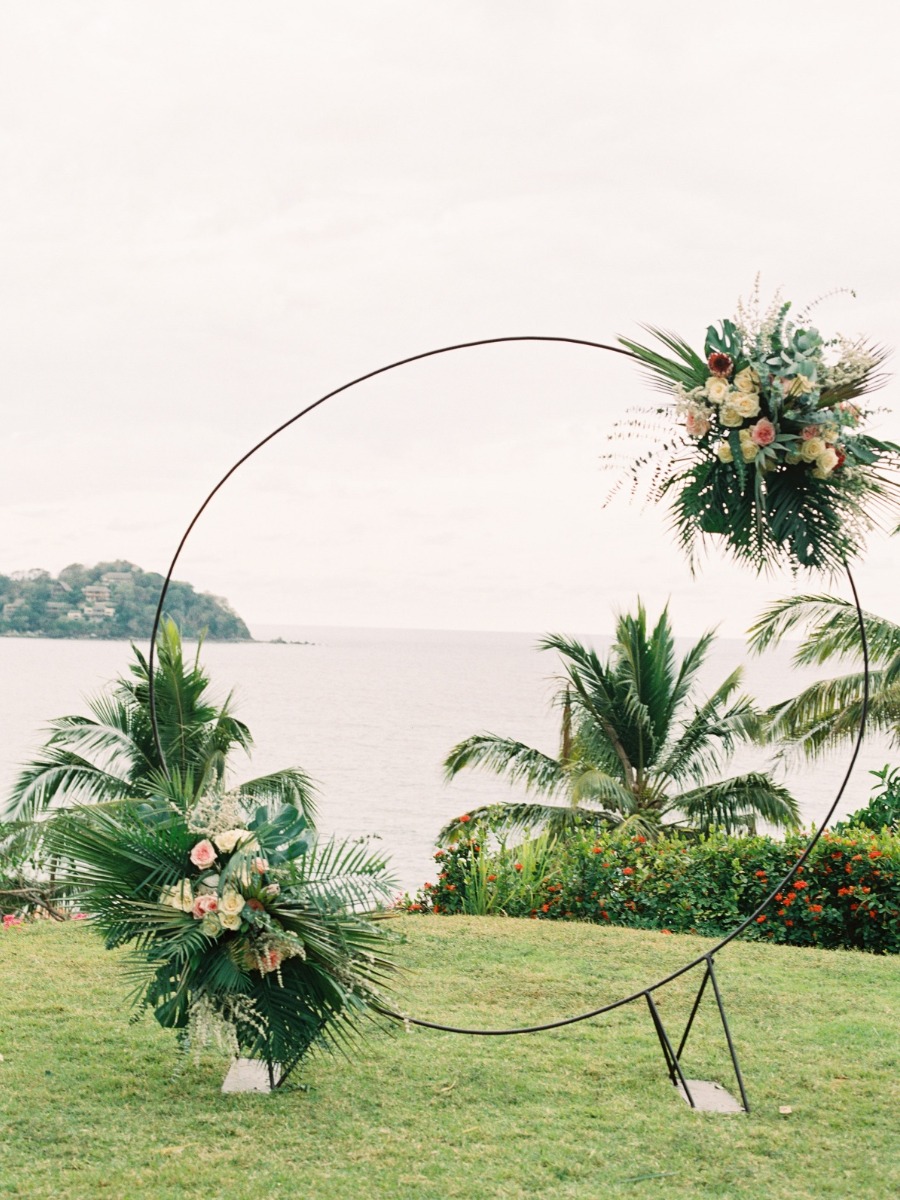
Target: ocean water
(371,714)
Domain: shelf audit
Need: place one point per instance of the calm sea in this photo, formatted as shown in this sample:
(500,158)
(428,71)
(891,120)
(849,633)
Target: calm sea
(371,713)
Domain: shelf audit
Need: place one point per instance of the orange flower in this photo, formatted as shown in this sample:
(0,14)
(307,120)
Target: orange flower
(874,854)
(517,866)
(545,908)
(816,908)
(759,920)
(628,871)
(491,878)
(465,817)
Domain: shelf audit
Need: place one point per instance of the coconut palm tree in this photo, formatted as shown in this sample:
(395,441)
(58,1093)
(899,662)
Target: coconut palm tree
(638,747)
(112,755)
(827,713)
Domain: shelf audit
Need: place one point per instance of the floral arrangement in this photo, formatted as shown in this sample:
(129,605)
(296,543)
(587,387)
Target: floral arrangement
(771,451)
(245,932)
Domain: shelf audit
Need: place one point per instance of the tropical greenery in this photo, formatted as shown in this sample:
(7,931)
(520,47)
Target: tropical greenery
(770,453)
(845,896)
(639,747)
(111,755)
(108,600)
(827,713)
(242,928)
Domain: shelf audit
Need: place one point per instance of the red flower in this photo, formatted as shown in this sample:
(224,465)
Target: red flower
(816,908)
(517,866)
(438,854)
(491,878)
(759,920)
(259,907)
(545,908)
(720,364)
(789,922)
(874,854)
(628,871)
(597,850)
(465,817)
(760,874)
(451,887)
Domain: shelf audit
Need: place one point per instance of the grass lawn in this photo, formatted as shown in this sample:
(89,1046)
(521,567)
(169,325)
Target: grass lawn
(91,1106)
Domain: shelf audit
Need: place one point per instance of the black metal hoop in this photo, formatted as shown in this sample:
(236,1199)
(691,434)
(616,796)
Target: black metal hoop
(646,992)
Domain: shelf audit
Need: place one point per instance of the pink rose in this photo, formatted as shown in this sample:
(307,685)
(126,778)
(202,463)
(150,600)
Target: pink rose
(260,865)
(696,425)
(810,431)
(763,432)
(203,854)
(203,905)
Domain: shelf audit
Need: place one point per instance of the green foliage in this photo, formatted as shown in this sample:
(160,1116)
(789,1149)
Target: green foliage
(506,879)
(297,965)
(827,713)
(883,809)
(33,603)
(847,894)
(638,746)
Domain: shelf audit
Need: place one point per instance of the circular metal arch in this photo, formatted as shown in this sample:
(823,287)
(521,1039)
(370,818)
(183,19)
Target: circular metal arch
(701,958)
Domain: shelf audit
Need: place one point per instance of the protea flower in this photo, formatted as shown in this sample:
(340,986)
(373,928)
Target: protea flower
(720,364)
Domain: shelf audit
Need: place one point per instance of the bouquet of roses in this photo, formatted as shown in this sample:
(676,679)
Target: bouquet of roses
(771,452)
(244,930)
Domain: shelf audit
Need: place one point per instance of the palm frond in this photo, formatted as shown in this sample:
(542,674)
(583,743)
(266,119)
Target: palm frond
(505,756)
(736,803)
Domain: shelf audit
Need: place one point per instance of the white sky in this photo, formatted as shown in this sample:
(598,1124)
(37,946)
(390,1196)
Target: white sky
(214,212)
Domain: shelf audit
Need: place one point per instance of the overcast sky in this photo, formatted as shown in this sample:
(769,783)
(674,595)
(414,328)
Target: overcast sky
(214,212)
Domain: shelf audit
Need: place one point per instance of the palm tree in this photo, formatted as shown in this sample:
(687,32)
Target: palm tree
(828,712)
(112,755)
(637,747)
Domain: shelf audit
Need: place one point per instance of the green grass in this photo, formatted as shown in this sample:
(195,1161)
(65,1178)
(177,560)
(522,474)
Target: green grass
(91,1106)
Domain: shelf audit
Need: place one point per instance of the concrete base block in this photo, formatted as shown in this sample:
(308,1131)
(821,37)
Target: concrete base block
(249,1075)
(710,1097)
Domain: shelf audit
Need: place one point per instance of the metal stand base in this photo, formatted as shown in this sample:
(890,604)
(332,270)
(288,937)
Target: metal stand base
(699,1093)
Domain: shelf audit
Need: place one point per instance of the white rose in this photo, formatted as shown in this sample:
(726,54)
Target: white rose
(749,450)
(229,838)
(730,417)
(179,896)
(747,403)
(825,463)
(230,920)
(747,381)
(717,389)
(723,452)
(811,449)
(800,385)
(210,924)
(232,902)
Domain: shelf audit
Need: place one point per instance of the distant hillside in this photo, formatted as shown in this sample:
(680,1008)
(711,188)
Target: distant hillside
(110,600)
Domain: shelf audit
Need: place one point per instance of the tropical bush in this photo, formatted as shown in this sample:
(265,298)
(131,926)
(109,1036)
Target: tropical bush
(883,809)
(846,894)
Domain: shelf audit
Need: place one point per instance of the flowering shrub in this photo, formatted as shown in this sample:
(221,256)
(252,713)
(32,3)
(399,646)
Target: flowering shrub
(770,451)
(846,894)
